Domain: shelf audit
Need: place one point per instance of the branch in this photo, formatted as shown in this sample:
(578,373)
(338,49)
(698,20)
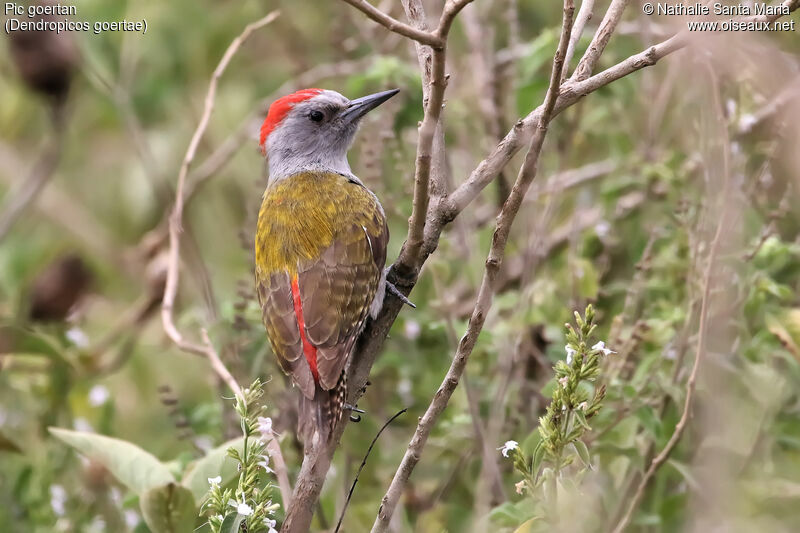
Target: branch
(317,462)
(173,266)
(391,24)
(600,40)
(31,185)
(484,300)
(177,212)
(584,16)
(408,260)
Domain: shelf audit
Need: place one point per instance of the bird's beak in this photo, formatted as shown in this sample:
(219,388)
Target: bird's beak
(361,106)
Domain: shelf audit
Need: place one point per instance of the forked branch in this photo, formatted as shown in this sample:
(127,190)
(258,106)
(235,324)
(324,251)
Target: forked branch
(484,301)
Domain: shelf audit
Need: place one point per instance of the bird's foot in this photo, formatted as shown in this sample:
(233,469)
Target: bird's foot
(402,297)
(353,409)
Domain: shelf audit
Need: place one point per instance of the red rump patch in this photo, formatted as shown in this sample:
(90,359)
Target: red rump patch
(308,349)
(279,109)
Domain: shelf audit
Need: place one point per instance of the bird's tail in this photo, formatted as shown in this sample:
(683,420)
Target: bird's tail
(321,414)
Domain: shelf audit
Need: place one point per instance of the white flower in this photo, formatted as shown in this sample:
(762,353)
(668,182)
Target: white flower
(77,337)
(583,406)
(271,525)
(98,395)
(520,487)
(412,329)
(570,353)
(215,481)
(264,463)
(563,381)
(241,507)
(602,347)
(131,518)
(508,446)
(97,524)
(58,499)
(265,428)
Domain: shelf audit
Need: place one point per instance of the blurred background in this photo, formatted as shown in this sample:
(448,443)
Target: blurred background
(633,182)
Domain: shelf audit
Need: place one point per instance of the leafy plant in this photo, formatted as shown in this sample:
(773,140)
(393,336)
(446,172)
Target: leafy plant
(565,421)
(248,506)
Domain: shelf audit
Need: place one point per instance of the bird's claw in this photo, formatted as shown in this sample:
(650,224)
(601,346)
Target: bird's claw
(402,297)
(353,409)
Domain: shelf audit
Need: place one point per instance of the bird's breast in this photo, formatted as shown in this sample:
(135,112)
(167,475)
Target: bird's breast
(304,214)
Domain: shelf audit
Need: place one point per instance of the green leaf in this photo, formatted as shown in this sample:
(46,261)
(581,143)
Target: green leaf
(231,523)
(538,456)
(215,463)
(651,423)
(583,453)
(132,466)
(527,526)
(686,472)
(581,418)
(18,340)
(169,508)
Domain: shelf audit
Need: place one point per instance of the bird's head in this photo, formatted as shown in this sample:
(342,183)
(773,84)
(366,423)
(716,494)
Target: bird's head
(312,130)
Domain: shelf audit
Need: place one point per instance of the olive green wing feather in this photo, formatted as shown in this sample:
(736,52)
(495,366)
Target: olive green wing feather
(336,292)
(277,308)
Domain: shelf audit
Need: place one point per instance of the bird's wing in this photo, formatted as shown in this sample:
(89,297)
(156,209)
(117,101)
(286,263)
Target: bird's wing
(336,291)
(278,312)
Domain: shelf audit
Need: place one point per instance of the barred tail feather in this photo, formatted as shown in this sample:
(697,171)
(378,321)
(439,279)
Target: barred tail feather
(321,414)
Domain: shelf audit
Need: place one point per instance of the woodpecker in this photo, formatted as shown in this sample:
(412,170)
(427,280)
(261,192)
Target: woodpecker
(320,248)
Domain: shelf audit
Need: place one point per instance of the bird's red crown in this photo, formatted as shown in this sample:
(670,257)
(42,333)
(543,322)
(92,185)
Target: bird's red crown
(278,111)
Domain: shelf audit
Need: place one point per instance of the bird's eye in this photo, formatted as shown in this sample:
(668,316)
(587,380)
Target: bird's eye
(316,116)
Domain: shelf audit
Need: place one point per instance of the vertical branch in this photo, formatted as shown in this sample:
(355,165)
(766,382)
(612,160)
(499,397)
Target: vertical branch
(407,263)
(484,300)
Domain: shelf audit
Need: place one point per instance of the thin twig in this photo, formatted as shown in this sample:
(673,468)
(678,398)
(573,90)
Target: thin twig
(363,464)
(408,259)
(31,185)
(600,40)
(484,300)
(584,16)
(391,24)
(173,266)
(680,427)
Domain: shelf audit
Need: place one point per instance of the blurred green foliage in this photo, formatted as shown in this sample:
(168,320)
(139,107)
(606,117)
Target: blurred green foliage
(633,239)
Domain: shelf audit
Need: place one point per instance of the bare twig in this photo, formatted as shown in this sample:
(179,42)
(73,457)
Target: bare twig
(600,40)
(680,427)
(396,26)
(361,467)
(173,266)
(484,300)
(410,253)
(29,186)
(584,16)
(177,213)
(441,212)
